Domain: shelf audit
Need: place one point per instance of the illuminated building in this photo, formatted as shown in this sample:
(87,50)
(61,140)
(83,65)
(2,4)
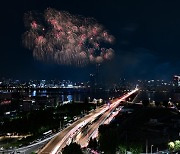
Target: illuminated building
(176,81)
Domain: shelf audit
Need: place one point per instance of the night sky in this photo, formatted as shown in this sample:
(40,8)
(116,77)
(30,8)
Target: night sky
(147,41)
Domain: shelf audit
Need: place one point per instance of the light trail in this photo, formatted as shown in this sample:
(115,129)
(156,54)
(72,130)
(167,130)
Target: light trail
(58,142)
(94,128)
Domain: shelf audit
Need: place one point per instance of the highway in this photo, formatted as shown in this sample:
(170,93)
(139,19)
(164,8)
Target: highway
(84,139)
(60,140)
(92,130)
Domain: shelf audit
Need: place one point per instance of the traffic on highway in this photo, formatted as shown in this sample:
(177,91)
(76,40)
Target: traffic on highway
(66,136)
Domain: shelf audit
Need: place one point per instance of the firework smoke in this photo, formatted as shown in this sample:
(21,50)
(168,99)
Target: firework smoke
(66,39)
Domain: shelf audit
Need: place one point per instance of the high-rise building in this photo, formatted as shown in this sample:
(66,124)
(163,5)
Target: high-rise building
(176,81)
(42,83)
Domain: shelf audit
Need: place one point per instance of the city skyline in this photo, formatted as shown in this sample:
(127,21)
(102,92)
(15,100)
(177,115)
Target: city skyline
(146,44)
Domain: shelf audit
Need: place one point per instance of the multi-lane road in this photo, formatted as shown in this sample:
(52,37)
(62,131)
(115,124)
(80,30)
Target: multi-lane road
(58,142)
(61,139)
(92,129)
(84,139)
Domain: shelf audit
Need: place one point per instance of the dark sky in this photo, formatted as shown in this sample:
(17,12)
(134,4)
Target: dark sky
(147,36)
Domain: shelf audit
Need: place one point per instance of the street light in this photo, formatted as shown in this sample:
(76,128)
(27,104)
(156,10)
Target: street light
(146,146)
(157,150)
(151,148)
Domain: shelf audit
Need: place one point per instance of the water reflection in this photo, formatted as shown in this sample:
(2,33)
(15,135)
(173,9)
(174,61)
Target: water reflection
(34,93)
(69,97)
(61,97)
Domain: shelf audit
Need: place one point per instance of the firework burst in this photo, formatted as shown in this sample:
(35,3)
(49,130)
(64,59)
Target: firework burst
(66,39)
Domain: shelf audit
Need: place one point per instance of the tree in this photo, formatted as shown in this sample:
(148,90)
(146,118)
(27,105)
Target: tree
(86,100)
(171,146)
(174,146)
(73,148)
(107,139)
(92,143)
(165,103)
(145,102)
(136,149)
(122,149)
(157,103)
(177,145)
